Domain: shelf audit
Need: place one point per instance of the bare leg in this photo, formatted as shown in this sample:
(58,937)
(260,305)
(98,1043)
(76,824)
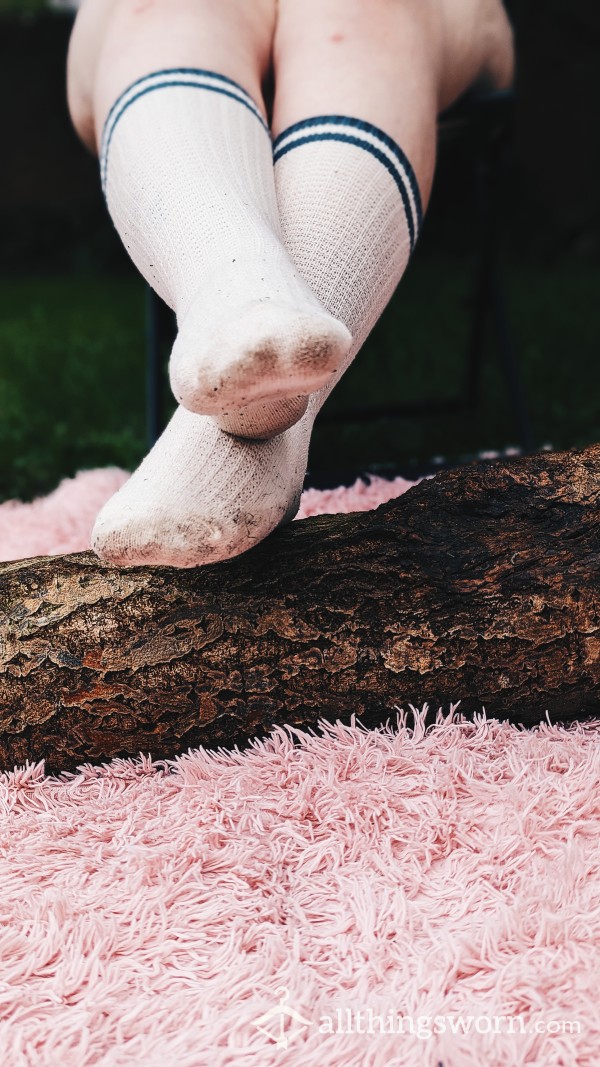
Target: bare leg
(115,42)
(394,63)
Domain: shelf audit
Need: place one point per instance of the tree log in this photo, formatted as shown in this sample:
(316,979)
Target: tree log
(480,585)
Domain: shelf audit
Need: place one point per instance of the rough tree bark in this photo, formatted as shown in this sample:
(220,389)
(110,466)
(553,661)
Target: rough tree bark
(480,585)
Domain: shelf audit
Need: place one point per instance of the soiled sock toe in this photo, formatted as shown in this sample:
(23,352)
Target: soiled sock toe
(129,535)
(265,352)
(202,496)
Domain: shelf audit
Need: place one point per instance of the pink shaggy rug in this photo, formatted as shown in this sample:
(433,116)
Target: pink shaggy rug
(394,898)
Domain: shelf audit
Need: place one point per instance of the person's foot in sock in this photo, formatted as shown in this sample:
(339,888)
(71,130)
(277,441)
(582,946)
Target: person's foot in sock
(188,176)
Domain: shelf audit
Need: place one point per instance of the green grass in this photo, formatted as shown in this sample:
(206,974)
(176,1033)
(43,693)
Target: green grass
(23,7)
(71,379)
(72,372)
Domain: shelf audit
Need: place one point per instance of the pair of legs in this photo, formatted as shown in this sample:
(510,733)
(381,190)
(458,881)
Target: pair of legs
(395,63)
(280,288)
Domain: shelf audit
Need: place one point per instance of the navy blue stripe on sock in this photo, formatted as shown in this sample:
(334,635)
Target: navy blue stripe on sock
(167,72)
(175,81)
(349,139)
(367,127)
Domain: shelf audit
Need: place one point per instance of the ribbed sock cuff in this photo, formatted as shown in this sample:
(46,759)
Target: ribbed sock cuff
(369,138)
(164,79)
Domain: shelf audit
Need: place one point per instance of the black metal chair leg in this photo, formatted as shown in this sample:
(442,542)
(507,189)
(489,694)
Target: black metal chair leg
(510,366)
(154,369)
(161,331)
(496,304)
(476,340)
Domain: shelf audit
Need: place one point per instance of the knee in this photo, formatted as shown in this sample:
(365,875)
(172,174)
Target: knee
(98,25)
(81,115)
(87,39)
(79,96)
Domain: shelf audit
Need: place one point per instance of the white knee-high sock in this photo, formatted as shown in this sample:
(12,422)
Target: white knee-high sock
(187,170)
(350,212)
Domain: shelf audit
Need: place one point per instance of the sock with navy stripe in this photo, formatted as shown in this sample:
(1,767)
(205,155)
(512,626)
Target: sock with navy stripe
(350,212)
(187,171)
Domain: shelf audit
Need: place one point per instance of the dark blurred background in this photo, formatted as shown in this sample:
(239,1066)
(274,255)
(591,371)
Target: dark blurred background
(72,308)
